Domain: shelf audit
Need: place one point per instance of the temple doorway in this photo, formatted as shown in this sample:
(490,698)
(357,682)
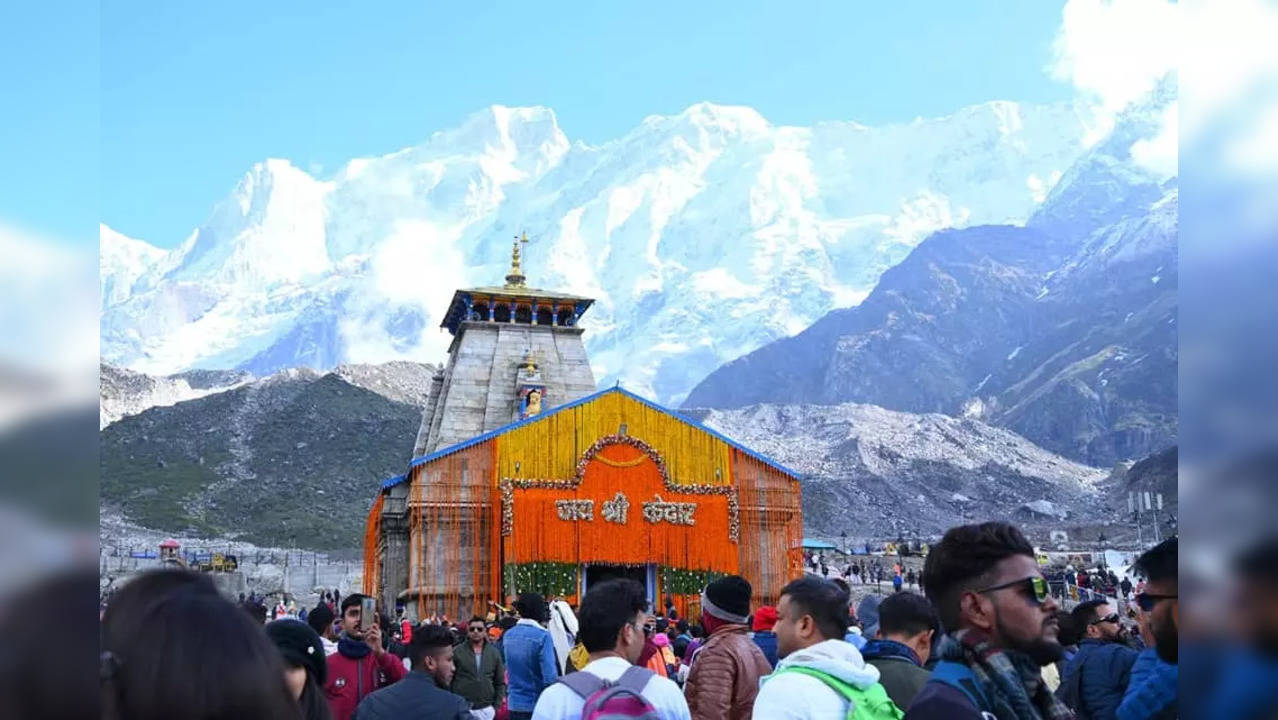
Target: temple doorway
(645,575)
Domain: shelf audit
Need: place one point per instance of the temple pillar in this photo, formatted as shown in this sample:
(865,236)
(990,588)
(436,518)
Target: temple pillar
(395,543)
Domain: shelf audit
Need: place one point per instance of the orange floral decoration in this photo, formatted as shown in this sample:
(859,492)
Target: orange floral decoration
(539,534)
(372,538)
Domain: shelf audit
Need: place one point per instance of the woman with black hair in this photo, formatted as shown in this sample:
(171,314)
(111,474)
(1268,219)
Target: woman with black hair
(171,646)
(305,669)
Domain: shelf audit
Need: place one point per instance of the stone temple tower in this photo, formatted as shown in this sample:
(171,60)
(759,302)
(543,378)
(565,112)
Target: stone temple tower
(516,351)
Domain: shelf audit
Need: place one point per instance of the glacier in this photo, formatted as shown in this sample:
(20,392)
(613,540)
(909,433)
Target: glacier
(703,235)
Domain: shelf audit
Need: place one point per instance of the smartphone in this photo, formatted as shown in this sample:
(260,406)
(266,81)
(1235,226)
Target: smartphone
(367,608)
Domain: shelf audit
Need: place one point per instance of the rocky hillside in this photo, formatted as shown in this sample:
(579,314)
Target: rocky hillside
(873,472)
(288,460)
(1063,330)
(124,392)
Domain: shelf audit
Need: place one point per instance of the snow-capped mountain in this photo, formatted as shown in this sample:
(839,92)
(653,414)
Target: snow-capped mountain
(703,235)
(1063,330)
(124,260)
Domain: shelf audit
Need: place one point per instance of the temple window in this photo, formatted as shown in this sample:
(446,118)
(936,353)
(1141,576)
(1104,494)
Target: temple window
(544,316)
(480,312)
(502,314)
(523,314)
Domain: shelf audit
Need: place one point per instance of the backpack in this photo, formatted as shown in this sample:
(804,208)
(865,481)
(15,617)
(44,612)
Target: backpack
(961,678)
(871,703)
(608,700)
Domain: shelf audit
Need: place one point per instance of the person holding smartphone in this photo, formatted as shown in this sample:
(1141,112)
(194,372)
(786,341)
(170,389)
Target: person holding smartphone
(361,663)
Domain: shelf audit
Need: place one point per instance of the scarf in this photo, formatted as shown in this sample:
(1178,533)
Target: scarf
(352,648)
(1011,682)
(649,649)
(881,648)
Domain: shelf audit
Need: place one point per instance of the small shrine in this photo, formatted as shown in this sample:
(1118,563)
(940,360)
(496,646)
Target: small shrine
(169,550)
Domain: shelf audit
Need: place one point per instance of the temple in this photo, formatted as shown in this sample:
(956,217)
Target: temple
(524,477)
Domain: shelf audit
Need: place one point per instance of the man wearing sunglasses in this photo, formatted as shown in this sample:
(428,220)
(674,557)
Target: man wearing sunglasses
(1096,679)
(1001,625)
(1154,688)
(480,674)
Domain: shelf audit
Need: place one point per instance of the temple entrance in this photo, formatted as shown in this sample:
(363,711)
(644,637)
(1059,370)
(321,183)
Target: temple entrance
(645,575)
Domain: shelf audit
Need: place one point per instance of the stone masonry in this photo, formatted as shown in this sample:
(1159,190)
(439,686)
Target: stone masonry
(478,390)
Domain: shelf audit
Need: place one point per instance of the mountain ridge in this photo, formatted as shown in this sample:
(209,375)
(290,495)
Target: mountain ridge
(1062,329)
(716,212)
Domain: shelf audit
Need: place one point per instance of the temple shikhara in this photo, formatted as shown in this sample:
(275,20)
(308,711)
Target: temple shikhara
(525,478)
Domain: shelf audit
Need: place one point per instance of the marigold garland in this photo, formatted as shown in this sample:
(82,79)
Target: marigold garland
(621,464)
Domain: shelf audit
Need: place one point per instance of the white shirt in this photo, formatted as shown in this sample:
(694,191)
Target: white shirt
(559,702)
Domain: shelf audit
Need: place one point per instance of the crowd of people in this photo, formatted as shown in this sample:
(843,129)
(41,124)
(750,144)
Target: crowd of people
(861,572)
(987,639)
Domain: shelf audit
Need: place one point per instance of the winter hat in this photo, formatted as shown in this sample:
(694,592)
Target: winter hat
(661,640)
(764,618)
(868,611)
(728,598)
(300,646)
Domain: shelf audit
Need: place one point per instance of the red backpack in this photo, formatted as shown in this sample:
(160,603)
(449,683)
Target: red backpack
(608,700)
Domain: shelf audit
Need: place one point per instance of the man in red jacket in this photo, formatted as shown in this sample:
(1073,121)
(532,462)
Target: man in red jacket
(360,665)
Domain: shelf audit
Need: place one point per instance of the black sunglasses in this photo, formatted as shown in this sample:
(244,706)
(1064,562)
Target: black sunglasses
(1147,601)
(476,628)
(1037,587)
(1113,617)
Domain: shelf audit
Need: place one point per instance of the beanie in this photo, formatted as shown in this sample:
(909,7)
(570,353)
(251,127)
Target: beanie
(764,618)
(728,598)
(300,646)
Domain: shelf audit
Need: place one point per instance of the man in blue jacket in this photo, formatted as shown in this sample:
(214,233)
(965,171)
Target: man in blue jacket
(530,656)
(1096,679)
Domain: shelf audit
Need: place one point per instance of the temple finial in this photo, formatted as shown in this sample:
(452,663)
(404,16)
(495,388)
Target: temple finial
(516,277)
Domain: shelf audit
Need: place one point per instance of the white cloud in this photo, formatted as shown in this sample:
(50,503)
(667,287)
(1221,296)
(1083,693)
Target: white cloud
(1117,51)
(1160,153)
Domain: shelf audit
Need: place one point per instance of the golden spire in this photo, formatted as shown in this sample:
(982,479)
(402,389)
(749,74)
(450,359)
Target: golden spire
(516,277)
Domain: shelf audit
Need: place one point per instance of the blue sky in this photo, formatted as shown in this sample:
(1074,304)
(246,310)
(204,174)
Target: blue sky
(192,94)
